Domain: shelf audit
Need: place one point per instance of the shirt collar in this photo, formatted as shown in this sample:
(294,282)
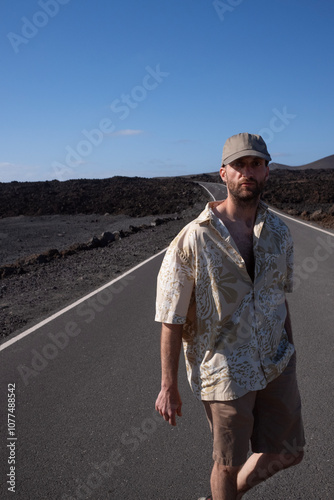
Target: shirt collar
(207,215)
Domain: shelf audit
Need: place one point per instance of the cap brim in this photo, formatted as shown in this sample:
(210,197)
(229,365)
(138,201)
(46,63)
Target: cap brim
(246,152)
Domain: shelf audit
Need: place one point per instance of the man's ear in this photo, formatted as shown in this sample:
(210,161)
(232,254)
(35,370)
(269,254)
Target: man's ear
(267,173)
(222,173)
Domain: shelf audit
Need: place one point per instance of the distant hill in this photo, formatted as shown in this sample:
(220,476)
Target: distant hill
(323,163)
(327,162)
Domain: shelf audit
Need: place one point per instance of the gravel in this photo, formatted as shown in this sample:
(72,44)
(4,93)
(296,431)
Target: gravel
(43,289)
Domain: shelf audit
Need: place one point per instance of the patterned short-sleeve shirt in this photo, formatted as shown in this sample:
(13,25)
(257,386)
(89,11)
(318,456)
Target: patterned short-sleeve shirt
(234,338)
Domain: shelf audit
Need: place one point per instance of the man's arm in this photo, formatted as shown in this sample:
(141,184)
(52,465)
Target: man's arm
(169,403)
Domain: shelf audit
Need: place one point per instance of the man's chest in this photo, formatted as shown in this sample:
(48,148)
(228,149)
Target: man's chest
(244,243)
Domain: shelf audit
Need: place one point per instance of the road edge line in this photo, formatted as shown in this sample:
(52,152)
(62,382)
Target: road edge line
(301,222)
(21,335)
(282,214)
(204,187)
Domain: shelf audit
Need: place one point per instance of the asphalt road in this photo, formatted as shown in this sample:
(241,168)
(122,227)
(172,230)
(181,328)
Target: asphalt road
(86,383)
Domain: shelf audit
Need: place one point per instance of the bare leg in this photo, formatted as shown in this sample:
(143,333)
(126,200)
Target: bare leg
(261,466)
(224,482)
(230,483)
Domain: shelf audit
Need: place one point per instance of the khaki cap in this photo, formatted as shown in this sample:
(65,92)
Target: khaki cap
(244,144)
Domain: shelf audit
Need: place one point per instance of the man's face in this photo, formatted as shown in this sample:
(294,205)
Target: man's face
(245,178)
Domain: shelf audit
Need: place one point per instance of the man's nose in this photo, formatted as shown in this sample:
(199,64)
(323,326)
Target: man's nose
(248,171)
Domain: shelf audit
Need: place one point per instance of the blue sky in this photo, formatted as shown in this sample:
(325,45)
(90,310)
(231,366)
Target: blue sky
(96,88)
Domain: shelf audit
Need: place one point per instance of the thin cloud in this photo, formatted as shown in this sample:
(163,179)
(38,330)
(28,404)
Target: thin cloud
(6,164)
(78,163)
(126,132)
(184,141)
(14,171)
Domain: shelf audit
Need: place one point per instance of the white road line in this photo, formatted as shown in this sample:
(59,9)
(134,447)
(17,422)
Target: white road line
(301,222)
(71,306)
(62,311)
(214,199)
(286,216)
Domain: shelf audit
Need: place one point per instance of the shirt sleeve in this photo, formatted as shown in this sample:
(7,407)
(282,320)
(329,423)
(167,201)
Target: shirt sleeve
(174,286)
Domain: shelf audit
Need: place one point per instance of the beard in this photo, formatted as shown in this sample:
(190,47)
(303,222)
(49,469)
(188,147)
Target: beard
(243,194)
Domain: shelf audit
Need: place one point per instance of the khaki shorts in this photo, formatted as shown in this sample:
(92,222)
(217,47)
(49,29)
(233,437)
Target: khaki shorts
(270,419)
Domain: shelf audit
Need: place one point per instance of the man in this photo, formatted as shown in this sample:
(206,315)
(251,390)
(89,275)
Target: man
(221,290)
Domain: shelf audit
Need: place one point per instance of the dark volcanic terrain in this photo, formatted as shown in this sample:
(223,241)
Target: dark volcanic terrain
(308,194)
(61,240)
(132,196)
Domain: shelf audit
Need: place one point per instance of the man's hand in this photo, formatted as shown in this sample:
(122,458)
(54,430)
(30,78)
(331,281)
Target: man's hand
(168,404)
